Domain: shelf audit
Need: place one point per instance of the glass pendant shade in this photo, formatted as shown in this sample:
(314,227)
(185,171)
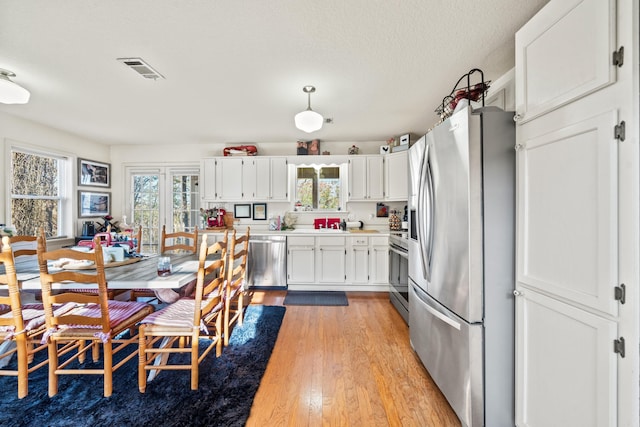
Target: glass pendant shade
(308,121)
(10,92)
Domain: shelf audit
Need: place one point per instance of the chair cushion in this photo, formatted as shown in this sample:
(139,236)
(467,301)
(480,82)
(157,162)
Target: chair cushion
(33,315)
(119,311)
(4,308)
(178,315)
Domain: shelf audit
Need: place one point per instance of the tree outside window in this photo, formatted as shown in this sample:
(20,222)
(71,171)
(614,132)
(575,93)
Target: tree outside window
(36,193)
(318,187)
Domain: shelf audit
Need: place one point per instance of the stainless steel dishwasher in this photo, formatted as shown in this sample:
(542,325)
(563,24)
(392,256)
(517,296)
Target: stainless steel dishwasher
(267,262)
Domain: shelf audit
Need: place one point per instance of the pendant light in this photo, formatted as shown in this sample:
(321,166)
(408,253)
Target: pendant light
(308,120)
(10,92)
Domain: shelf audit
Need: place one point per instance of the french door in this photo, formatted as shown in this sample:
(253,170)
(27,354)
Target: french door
(160,196)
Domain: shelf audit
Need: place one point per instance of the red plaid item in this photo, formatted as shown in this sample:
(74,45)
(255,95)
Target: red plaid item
(177,315)
(119,311)
(33,315)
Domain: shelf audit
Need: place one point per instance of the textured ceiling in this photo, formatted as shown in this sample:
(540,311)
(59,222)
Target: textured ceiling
(235,69)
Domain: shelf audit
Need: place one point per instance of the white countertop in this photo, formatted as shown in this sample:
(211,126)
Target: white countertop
(307,232)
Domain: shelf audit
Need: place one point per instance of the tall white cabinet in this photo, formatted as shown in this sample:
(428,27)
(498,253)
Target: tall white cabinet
(577,215)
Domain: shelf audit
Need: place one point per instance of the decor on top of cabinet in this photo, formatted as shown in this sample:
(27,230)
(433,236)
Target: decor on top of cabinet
(469,92)
(311,148)
(240,150)
(353,150)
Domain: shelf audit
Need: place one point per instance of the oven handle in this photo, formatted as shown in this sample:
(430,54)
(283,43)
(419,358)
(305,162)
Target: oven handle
(401,253)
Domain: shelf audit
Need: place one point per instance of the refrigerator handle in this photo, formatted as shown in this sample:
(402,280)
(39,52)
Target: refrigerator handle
(443,317)
(431,215)
(422,218)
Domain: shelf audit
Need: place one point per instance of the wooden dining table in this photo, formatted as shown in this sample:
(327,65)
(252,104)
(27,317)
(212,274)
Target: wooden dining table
(142,274)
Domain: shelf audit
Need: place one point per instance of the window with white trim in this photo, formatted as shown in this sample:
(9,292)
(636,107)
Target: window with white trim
(39,192)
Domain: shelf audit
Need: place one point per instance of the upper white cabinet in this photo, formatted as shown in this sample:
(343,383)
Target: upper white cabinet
(366,178)
(208,179)
(396,172)
(234,179)
(230,179)
(271,178)
(564,53)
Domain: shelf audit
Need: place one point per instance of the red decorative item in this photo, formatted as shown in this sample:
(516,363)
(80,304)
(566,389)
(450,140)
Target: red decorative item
(240,150)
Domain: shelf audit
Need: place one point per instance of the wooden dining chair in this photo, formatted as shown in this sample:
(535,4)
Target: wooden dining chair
(165,332)
(180,241)
(23,246)
(96,321)
(21,325)
(233,298)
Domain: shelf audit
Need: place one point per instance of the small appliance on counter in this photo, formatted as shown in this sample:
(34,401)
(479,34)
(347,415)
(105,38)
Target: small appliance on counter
(88,228)
(344,225)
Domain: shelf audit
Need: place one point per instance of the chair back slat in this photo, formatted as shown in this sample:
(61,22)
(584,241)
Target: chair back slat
(171,242)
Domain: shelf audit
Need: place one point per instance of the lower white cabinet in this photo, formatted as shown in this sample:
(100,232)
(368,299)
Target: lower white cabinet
(330,258)
(564,356)
(338,263)
(379,260)
(301,252)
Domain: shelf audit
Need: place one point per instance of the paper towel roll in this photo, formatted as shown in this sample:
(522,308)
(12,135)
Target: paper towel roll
(355,224)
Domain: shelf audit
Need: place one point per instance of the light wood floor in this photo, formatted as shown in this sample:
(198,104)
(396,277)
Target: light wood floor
(346,366)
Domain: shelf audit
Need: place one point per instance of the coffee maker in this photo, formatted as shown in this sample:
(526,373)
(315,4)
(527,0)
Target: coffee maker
(88,228)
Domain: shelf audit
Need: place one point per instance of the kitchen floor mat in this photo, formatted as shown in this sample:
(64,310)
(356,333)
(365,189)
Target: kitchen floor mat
(316,298)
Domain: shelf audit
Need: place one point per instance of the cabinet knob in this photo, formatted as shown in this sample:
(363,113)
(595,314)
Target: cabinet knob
(517,117)
(517,293)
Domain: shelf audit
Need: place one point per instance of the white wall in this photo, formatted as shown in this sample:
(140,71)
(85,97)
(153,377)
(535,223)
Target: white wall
(14,130)
(27,133)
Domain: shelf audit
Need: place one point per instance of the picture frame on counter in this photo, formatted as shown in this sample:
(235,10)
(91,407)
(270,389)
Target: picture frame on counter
(242,210)
(92,204)
(94,174)
(260,211)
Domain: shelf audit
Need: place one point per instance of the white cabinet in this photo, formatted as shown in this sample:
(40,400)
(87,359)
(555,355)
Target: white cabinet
(358,260)
(379,260)
(300,259)
(396,172)
(576,235)
(564,53)
(271,179)
(330,260)
(366,178)
(567,377)
(368,260)
(208,179)
(338,262)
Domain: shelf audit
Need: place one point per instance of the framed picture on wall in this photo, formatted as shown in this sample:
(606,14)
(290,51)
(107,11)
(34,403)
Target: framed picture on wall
(92,204)
(95,174)
(242,210)
(260,211)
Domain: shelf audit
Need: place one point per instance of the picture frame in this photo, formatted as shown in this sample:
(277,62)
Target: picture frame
(94,174)
(242,210)
(92,204)
(260,211)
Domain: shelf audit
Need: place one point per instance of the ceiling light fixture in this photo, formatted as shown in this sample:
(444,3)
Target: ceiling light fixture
(308,120)
(10,92)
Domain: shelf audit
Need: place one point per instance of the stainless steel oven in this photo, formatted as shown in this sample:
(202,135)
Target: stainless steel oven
(399,273)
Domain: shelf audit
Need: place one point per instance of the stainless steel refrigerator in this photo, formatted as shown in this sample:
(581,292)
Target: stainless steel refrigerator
(461,262)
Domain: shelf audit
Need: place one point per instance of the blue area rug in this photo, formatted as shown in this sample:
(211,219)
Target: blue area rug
(227,387)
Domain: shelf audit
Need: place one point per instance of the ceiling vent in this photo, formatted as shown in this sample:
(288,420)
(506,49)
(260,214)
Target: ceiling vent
(141,67)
